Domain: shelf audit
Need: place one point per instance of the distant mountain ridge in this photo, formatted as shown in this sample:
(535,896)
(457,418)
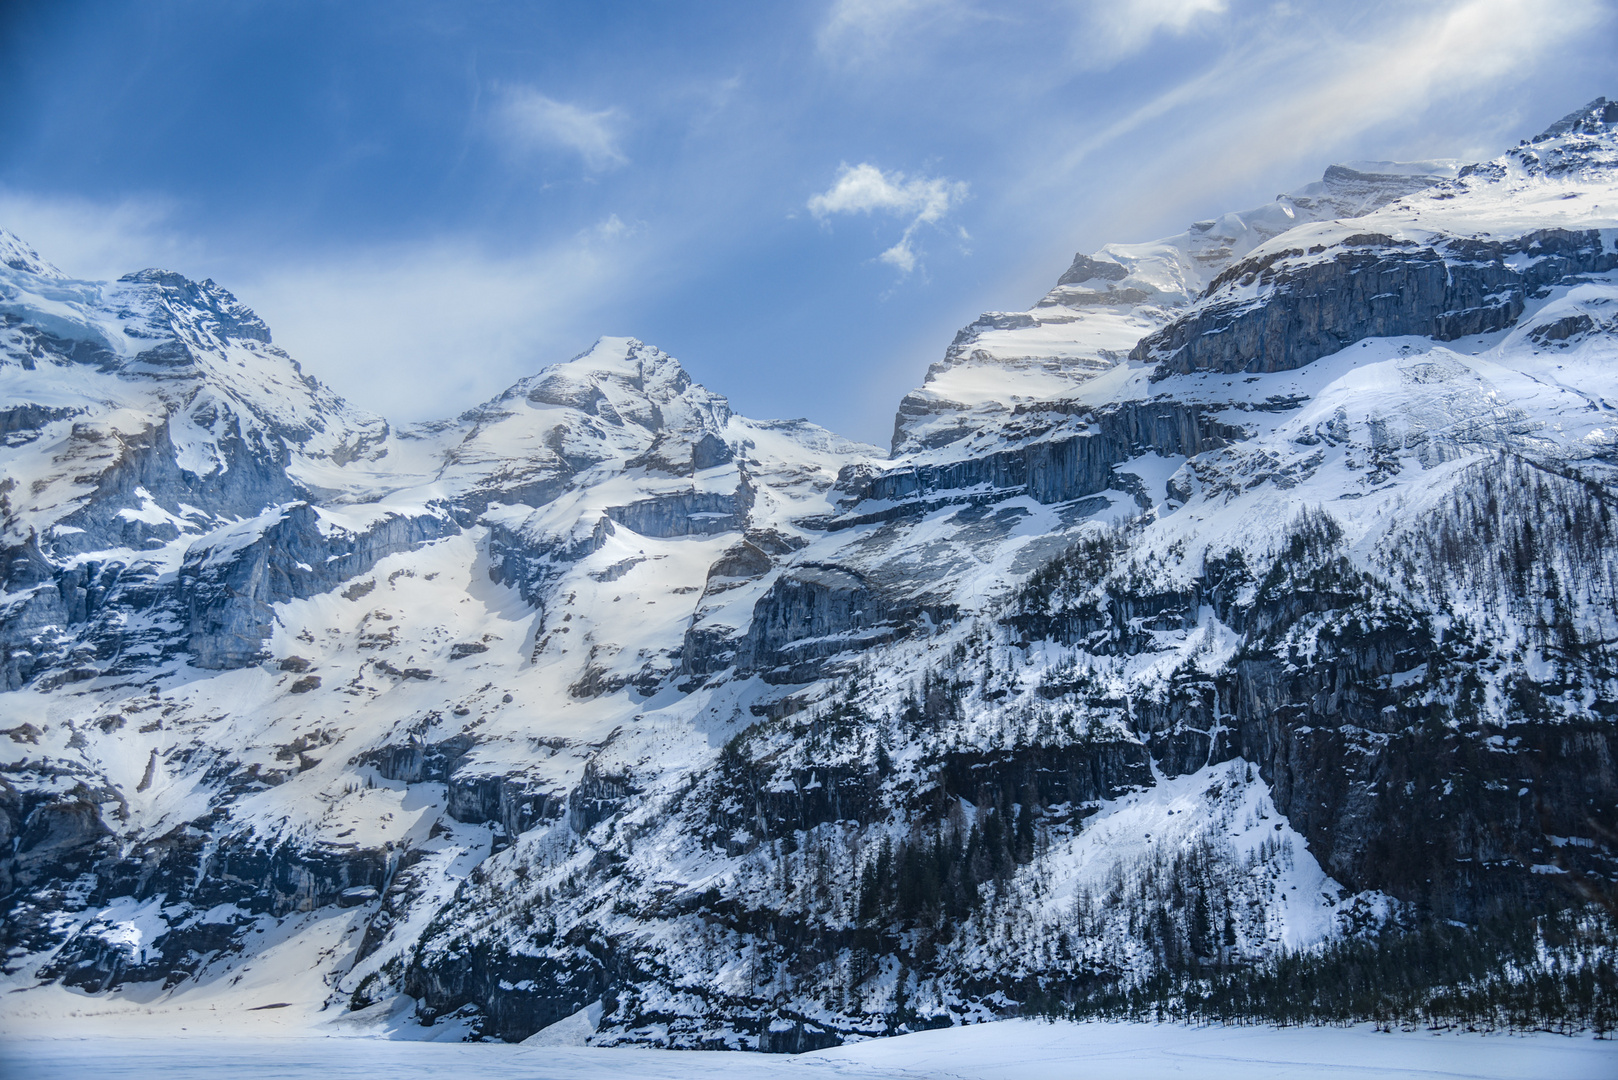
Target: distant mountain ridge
(1254,590)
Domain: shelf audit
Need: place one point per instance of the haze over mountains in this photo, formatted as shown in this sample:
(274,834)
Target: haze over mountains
(1253,589)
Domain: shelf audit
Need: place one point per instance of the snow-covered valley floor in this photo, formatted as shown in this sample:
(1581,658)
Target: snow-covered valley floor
(1009,1050)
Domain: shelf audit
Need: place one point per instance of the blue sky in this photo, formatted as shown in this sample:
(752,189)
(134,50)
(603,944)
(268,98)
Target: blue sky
(802,201)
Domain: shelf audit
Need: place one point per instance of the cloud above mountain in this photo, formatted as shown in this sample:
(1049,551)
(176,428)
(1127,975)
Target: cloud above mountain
(866,189)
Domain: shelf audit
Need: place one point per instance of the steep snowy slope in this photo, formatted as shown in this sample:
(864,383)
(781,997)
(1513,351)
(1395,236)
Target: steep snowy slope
(1374,561)
(1106,302)
(121,375)
(1254,588)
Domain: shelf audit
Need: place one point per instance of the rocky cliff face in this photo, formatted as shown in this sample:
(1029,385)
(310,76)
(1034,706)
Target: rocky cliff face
(1254,587)
(1372,285)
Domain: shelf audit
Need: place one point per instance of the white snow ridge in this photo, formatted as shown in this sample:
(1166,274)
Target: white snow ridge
(1231,637)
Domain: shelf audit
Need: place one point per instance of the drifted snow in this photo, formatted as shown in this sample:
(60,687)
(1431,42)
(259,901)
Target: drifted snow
(1008,1050)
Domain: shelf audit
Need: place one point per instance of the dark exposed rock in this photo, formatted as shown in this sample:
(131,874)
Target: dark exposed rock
(227,316)
(359,590)
(285,878)
(1085,269)
(692,513)
(1370,287)
(1419,801)
(32,634)
(710,451)
(22,423)
(812,612)
(97,958)
(58,834)
(598,796)
(230,580)
(146,469)
(1562,329)
(752,799)
(796,1037)
(515,995)
(387,668)
(529,563)
(1055,469)
(815,611)
(744,559)
(1045,776)
(759,800)
(417,760)
(514,802)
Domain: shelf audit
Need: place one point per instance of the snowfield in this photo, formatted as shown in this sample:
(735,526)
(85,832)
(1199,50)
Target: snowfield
(1008,1050)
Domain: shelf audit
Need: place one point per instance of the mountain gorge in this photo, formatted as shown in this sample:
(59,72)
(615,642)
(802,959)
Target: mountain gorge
(1252,594)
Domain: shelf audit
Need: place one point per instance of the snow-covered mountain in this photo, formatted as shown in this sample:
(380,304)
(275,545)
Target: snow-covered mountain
(1254,588)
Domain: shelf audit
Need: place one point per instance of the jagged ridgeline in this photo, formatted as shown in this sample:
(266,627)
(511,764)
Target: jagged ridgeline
(1234,634)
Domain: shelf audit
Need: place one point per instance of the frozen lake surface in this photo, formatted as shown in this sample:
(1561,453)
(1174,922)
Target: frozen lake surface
(1011,1050)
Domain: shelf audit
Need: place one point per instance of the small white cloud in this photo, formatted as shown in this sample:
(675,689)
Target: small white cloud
(530,120)
(900,255)
(1115,30)
(866,189)
(863,188)
(613,228)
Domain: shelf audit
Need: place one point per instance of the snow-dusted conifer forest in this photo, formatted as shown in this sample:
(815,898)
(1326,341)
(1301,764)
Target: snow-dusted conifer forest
(1230,636)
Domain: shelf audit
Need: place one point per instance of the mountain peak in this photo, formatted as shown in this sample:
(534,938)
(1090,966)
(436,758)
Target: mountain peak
(1596,118)
(1582,143)
(222,313)
(621,379)
(18,255)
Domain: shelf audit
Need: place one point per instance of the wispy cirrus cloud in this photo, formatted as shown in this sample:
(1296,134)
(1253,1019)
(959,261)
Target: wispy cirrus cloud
(1283,100)
(1105,31)
(1110,30)
(866,189)
(378,323)
(858,30)
(99,240)
(530,120)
